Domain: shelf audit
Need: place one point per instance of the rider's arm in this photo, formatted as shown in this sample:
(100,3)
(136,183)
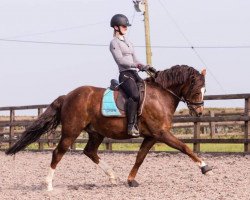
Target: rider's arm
(119,58)
(134,56)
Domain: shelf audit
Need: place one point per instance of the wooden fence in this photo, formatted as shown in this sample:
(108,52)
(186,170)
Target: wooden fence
(243,117)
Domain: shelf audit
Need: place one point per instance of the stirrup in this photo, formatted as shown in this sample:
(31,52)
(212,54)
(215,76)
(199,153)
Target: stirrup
(133,131)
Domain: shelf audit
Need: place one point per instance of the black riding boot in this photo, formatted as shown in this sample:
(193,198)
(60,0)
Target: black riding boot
(132,118)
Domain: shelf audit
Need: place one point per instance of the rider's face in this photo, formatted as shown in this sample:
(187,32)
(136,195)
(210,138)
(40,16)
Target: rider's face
(123,29)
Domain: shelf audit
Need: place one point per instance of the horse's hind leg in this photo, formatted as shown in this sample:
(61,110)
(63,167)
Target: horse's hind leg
(67,139)
(169,139)
(95,139)
(144,149)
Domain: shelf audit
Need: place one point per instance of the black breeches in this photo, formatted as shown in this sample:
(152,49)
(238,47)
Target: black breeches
(129,86)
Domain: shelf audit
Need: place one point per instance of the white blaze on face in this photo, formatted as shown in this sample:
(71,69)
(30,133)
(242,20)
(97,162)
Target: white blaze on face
(203,89)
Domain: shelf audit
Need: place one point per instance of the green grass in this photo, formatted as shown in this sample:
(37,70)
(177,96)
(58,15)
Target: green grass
(222,147)
(206,147)
(163,147)
(156,147)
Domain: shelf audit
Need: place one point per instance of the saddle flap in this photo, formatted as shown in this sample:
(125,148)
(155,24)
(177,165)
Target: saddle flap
(120,99)
(109,108)
(114,101)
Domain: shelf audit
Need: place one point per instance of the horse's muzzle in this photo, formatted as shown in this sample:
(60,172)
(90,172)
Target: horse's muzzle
(196,110)
(199,114)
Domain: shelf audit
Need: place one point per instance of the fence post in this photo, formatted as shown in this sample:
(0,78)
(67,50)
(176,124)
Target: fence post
(247,125)
(40,144)
(108,145)
(11,133)
(73,146)
(196,147)
(212,124)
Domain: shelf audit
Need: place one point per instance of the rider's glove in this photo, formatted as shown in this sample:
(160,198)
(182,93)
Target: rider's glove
(142,67)
(151,69)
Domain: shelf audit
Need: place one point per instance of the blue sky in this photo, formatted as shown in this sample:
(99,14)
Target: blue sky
(36,73)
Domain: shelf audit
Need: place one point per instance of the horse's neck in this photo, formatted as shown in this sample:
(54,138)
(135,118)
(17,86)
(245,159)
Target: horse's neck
(177,90)
(175,93)
(167,97)
(174,97)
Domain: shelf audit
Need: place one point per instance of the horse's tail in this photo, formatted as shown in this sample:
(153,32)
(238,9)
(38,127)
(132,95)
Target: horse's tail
(47,122)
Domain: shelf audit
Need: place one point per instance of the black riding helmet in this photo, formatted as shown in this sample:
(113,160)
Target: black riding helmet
(119,20)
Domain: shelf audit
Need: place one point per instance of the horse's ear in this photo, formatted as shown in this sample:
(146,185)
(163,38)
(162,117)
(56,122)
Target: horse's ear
(203,72)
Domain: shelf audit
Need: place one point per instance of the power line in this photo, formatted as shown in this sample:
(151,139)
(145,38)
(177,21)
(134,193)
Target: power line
(139,46)
(53,43)
(61,30)
(56,30)
(191,46)
(200,47)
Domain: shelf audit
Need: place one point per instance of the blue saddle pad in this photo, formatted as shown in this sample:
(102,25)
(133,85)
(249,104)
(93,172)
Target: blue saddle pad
(109,108)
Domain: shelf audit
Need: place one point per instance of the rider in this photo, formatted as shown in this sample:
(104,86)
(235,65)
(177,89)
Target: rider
(124,55)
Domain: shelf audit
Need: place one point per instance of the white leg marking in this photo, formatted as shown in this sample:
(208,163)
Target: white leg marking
(202,164)
(108,170)
(49,179)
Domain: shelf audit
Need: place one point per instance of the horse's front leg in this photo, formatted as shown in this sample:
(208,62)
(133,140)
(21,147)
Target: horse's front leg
(169,139)
(144,149)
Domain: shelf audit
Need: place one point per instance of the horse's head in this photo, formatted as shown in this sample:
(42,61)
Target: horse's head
(185,83)
(193,93)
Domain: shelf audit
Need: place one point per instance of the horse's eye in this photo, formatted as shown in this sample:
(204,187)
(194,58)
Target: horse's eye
(197,94)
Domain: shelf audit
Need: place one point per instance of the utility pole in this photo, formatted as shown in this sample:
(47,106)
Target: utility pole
(142,6)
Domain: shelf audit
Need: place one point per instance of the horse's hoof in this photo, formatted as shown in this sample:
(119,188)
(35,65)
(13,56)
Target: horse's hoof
(48,185)
(49,188)
(205,169)
(133,183)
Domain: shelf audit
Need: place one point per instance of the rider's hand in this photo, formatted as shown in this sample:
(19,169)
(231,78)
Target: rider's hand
(151,69)
(142,67)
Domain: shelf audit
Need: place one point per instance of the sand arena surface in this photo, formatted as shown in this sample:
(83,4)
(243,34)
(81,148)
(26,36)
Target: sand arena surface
(161,176)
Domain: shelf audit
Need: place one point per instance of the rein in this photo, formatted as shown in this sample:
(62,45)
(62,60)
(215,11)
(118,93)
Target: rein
(201,103)
(190,104)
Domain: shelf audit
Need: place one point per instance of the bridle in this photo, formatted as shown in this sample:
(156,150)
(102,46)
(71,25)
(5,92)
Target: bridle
(191,105)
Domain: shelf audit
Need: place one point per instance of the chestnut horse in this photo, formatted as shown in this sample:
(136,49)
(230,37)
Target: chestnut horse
(80,110)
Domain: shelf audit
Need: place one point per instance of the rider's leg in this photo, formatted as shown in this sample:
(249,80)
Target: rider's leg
(130,87)
(132,117)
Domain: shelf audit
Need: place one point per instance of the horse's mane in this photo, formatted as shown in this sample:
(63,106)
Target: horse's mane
(174,76)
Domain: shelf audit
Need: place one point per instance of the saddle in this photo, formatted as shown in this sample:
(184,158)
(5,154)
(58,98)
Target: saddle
(114,100)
